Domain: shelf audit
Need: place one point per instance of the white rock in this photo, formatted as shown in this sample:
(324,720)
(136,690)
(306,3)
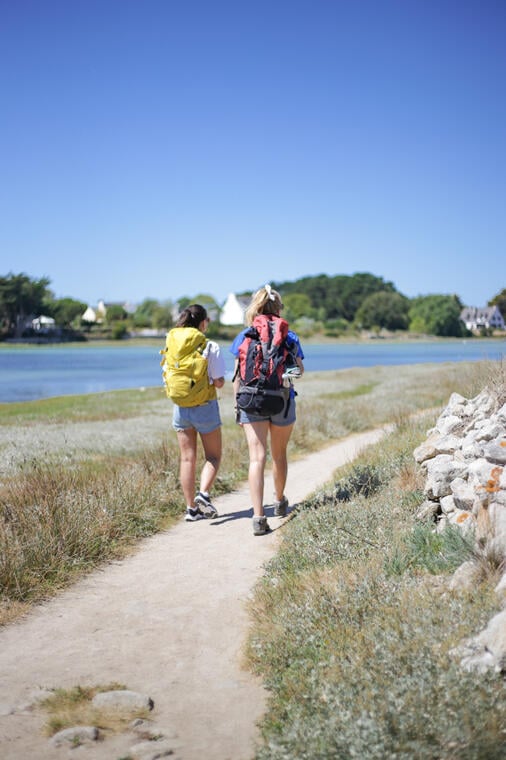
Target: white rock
(462,519)
(447,504)
(440,472)
(501,586)
(75,735)
(122,700)
(495,451)
(463,493)
(465,577)
(488,649)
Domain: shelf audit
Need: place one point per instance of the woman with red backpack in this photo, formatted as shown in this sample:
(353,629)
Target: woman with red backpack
(268,356)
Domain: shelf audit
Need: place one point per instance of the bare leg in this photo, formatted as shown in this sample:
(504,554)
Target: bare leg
(212,450)
(187,440)
(256,436)
(279,442)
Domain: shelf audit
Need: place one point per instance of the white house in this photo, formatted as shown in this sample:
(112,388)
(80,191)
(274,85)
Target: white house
(43,323)
(232,312)
(95,313)
(476,317)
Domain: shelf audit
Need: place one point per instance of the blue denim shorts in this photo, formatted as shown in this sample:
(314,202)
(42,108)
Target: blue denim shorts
(276,419)
(204,418)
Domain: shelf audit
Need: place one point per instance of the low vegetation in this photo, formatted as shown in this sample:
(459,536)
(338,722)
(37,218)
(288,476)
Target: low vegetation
(65,708)
(63,514)
(353,626)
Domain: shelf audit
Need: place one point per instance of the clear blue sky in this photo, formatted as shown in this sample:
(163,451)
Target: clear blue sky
(160,148)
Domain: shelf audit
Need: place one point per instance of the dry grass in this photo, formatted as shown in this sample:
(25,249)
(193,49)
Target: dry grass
(356,656)
(64,512)
(349,635)
(73,707)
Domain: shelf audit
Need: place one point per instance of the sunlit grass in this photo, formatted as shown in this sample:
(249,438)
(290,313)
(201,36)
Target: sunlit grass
(353,637)
(65,708)
(89,407)
(74,507)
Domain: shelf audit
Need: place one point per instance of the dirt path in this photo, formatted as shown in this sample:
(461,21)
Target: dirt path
(169,622)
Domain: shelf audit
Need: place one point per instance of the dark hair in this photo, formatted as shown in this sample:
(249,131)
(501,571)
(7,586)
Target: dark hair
(192,316)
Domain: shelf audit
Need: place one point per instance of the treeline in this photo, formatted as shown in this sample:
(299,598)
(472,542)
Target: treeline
(333,305)
(363,301)
(22,298)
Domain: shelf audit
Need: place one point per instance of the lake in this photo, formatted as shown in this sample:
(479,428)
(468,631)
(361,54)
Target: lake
(34,372)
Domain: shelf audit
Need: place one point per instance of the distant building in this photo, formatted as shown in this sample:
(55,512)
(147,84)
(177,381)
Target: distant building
(232,312)
(476,318)
(95,313)
(43,323)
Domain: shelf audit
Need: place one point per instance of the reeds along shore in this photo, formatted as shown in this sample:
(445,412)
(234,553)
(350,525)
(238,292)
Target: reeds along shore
(104,470)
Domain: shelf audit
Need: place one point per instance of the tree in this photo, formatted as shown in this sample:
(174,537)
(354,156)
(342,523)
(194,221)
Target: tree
(20,298)
(162,316)
(65,310)
(115,313)
(384,309)
(500,301)
(144,313)
(338,297)
(437,315)
(297,305)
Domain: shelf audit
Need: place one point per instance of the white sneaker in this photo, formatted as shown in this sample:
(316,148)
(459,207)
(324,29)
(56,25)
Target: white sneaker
(205,506)
(192,515)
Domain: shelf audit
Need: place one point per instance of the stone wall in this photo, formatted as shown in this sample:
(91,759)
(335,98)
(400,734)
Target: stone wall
(464,459)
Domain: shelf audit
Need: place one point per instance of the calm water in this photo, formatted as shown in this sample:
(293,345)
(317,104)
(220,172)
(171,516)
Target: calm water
(35,372)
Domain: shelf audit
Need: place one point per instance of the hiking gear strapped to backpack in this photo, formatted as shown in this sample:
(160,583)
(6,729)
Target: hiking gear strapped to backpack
(184,367)
(263,358)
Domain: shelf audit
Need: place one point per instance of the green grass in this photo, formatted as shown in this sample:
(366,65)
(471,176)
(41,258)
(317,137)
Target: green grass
(360,390)
(81,408)
(63,514)
(357,658)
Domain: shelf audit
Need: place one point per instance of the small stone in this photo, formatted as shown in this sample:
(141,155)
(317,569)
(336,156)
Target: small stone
(144,729)
(465,577)
(75,735)
(122,700)
(151,750)
(428,509)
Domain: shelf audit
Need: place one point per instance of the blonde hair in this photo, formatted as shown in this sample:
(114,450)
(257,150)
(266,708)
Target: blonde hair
(264,301)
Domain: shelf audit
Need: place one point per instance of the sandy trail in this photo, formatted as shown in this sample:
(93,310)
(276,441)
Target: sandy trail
(170,622)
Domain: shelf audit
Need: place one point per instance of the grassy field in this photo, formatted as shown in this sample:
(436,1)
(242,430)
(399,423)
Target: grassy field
(69,507)
(353,626)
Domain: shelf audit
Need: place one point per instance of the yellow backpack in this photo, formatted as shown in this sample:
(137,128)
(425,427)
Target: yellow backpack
(184,368)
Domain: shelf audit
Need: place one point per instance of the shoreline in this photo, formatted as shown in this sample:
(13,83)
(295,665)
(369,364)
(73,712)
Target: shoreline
(314,340)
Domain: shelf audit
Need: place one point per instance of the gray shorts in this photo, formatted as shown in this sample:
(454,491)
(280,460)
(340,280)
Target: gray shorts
(204,418)
(275,419)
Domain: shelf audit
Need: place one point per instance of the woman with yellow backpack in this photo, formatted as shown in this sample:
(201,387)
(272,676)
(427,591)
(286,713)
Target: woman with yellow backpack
(193,368)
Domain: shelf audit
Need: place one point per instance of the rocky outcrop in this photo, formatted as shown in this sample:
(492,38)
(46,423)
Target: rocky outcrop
(464,459)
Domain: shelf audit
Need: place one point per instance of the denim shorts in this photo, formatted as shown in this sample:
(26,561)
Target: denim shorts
(275,419)
(204,418)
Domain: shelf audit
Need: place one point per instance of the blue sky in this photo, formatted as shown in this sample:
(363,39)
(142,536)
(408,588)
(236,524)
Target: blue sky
(154,148)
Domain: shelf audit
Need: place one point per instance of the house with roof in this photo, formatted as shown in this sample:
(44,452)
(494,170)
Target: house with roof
(233,310)
(479,317)
(43,323)
(95,314)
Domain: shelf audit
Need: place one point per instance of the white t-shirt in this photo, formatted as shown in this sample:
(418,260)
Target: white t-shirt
(215,360)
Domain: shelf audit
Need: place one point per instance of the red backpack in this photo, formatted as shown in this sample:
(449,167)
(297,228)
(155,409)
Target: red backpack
(263,357)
